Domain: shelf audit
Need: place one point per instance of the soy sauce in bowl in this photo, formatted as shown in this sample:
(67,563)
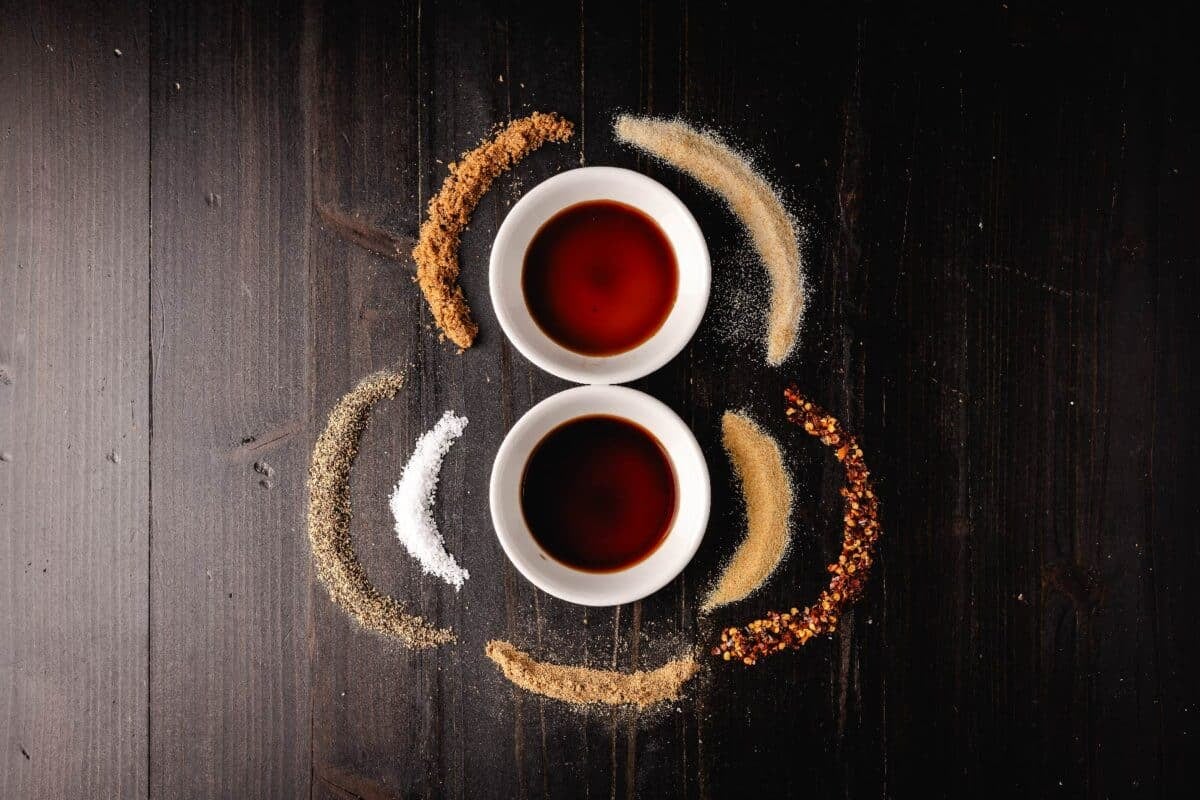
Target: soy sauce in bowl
(600,278)
(598,493)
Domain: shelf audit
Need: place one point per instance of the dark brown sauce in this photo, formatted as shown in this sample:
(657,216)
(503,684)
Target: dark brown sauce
(598,493)
(600,278)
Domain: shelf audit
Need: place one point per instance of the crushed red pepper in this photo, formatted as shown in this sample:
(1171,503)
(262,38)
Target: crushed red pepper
(794,628)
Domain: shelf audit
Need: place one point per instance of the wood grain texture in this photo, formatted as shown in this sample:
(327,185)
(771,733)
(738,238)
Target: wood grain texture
(229,574)
(959,286)
(999,210)
(73,400)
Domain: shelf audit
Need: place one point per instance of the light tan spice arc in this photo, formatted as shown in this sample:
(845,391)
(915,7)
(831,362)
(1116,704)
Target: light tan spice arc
(329,517)
(585,686)
(767,489)
(752,199)
(778,631)
(449,213)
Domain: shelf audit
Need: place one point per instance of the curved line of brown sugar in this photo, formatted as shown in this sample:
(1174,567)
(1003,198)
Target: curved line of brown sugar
(782,631)
(449,213)
(337,565)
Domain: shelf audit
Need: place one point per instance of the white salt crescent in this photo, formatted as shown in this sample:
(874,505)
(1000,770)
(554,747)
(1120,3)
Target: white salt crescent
(412,501)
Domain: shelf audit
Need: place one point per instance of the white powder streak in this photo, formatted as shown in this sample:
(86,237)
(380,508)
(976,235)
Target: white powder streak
(412,501)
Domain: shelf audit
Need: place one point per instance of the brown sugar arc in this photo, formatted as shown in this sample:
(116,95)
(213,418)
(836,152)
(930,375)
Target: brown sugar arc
(329,516)
(449,213)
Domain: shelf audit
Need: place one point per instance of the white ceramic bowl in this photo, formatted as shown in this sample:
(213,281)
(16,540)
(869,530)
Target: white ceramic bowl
(578,186)
(651,573)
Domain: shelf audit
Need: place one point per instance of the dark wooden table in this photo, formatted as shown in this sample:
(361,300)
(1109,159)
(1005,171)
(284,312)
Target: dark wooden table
(1003,232)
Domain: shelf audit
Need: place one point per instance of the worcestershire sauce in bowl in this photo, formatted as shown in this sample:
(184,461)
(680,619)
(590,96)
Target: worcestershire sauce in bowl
(598,493)
(600,278)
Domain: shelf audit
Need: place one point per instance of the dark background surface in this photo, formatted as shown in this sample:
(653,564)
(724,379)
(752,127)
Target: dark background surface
(1002,237)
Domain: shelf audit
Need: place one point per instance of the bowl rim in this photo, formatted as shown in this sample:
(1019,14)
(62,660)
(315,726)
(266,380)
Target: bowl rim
(638,361)
(656,570)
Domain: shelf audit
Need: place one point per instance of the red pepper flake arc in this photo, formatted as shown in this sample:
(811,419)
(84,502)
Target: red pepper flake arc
(861,530)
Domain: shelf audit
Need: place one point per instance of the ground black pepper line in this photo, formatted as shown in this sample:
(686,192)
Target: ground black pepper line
(337,564)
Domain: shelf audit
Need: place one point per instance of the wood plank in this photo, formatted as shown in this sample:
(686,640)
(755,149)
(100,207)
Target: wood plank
(1125,625)
(375,707)
(1169,587)
(794,100)
(634,61)
(230,287)
(445,722)
(74,400)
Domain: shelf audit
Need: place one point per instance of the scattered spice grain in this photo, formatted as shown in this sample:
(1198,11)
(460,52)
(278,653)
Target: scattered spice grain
(728,173)
(449,213)
(585,686)
(768,494)
(329,516)
(794,628)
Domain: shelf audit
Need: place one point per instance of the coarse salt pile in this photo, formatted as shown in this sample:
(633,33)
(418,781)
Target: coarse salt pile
(412,501)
